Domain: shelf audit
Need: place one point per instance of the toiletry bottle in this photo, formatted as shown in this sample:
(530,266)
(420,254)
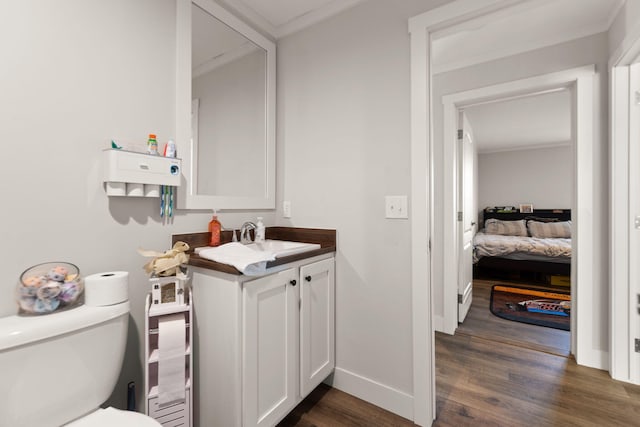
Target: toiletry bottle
(214,229)
(152,144)
(259,230)
(170,149)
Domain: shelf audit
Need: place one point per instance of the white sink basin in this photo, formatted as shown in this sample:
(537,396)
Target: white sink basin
(281,248)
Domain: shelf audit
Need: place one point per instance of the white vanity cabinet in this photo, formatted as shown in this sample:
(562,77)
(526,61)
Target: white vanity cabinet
(261,344)
(317,323)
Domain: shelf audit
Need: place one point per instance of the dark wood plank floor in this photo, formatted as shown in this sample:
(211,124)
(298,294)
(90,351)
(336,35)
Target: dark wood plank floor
(480,322)
(485,378)
(330,407)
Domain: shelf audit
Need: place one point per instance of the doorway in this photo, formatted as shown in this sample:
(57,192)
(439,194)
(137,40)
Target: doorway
(434,282)
(515,154)
(578,82)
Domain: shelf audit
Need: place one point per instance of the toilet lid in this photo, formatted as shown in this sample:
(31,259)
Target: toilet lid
(111,417)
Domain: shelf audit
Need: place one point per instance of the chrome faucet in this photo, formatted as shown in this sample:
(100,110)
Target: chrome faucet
(245,237)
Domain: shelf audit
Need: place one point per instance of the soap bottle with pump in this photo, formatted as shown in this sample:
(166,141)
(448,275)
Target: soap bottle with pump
(259,230)
(214,229)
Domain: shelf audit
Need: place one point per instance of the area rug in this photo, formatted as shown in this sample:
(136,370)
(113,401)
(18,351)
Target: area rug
(550,308)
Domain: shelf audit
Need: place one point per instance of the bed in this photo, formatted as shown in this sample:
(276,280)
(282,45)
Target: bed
(506,243)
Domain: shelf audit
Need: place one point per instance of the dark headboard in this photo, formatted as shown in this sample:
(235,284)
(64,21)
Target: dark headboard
(558,214)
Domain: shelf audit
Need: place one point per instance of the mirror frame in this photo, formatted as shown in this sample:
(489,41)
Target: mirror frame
(187,198)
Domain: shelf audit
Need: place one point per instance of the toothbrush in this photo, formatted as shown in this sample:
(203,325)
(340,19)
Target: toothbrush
(171,202)
(161,201)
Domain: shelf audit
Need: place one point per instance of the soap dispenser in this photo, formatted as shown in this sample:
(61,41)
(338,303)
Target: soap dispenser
(259,230)
(214,229)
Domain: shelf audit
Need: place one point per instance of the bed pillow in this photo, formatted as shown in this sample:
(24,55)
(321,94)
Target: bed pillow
(546,230)
(505,228)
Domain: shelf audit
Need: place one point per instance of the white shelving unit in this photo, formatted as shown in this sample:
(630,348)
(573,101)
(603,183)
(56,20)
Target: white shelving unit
(181,413)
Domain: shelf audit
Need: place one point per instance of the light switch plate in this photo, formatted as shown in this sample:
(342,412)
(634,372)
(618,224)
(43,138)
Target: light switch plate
(396,207)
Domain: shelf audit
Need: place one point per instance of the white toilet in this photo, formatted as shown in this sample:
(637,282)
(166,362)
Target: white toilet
(57,369)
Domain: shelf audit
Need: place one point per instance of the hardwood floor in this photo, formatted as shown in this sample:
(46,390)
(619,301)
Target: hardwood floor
(330,407)
(492,373)
(481,323)
(479,383)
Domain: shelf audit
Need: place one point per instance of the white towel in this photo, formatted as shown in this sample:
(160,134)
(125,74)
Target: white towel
(248,261)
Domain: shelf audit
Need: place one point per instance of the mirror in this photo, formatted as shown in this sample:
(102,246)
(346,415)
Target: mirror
(225,99)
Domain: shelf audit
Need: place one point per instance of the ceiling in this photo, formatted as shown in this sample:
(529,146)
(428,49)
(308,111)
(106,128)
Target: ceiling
(529,25)
(528,122)
(534,121)
(280,18)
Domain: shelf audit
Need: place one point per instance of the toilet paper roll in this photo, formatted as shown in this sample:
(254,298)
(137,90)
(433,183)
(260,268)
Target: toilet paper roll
(134,189)
(116,189)
(151,190)
(106,288)
(171,360)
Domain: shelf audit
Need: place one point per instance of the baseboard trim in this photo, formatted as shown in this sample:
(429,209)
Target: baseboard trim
(597,359)
(438,323)
(381,395)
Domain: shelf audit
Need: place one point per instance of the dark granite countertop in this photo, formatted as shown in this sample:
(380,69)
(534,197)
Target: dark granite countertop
(324,237)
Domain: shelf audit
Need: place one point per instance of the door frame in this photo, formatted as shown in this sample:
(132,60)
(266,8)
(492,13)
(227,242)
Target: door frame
(420,29)
(580,82)
(624,362)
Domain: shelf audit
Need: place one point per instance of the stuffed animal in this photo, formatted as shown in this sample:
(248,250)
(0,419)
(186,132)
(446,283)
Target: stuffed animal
(167,263)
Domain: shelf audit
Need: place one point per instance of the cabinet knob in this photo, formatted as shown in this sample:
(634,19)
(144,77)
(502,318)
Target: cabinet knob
(293,282)
(307,278)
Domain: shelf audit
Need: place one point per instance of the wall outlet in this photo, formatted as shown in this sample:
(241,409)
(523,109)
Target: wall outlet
(396,207)
(286,209)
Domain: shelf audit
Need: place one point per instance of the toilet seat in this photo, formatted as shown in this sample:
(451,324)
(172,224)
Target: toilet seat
(111,417)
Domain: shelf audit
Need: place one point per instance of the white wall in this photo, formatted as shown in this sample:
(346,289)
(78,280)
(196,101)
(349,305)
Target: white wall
(581,52)
(542,176)
(344,143)
(75,74)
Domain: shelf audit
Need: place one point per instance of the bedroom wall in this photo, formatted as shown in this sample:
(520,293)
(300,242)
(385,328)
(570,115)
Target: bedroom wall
(75,74)
(576,53)
(542,176)
(344,138)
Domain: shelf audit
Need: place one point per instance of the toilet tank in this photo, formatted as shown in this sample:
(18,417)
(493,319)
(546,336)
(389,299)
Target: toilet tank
(58,367)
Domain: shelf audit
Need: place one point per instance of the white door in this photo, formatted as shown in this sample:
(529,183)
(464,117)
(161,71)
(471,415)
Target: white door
(634,215)
(317,323)
(270,365)
(466,216)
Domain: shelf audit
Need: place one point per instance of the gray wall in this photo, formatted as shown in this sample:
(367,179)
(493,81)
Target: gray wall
(542,176)
(75,74)
(344,143)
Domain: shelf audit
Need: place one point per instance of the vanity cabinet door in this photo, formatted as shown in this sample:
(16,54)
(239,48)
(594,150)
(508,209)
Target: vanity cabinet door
(270,337)
(317,323)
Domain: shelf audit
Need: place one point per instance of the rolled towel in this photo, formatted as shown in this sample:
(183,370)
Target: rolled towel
(248,261)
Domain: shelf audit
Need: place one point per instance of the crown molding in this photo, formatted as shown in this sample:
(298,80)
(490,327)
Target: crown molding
(296,24)
(527,147)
